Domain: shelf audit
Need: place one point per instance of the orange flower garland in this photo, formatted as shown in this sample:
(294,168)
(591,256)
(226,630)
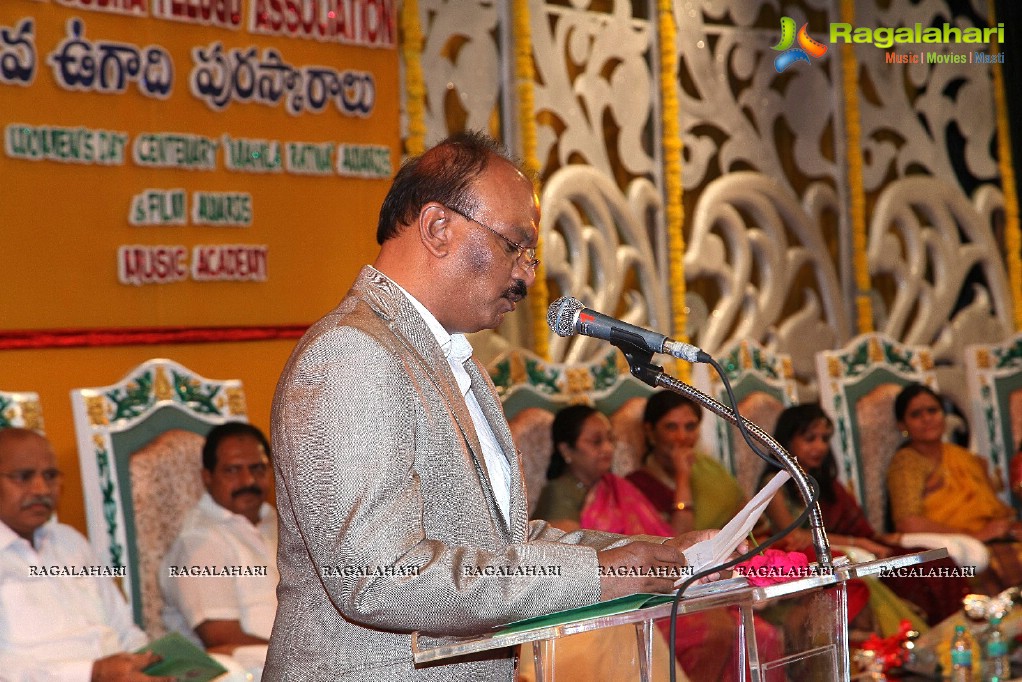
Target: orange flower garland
(1012,230)
(674,211)
(857,194)
(525,78)
(415,90)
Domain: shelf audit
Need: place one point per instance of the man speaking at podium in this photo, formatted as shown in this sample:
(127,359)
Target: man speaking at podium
(400,494)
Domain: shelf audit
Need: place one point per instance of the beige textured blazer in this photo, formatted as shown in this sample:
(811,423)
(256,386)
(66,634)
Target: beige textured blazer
(387,518)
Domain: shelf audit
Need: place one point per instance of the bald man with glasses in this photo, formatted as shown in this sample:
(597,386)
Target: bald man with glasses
(400,494)
(61,616)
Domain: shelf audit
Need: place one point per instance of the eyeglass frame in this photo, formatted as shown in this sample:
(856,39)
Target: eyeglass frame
(24,477)
(529,251)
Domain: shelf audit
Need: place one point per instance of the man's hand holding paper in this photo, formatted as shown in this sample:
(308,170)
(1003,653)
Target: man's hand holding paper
(719,548)
(648,567)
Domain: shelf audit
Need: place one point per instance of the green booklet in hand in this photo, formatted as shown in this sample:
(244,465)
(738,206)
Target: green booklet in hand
(182,660)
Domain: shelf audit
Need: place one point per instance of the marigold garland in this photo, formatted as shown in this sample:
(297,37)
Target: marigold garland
(525,78)
(415,90)
(674,211)
(856,191)
(1012,230)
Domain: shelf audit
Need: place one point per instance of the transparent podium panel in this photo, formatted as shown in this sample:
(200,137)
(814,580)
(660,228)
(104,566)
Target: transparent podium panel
(614,653)
(801,636)
(795,630)
(814,626)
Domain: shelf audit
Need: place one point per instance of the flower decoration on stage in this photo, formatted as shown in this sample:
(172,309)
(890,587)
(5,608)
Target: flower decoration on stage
(882,654)
(984,607)
(774,566)
(807,47)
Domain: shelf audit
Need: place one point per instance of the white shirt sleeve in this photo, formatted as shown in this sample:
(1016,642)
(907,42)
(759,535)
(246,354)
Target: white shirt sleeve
(21,668)
(54,627)
(200,598)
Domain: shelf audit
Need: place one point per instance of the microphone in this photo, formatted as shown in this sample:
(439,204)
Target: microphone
(566,317)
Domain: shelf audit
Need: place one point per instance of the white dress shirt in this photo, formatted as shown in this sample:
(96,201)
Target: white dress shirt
(215,537)
(53,627)
(458,351)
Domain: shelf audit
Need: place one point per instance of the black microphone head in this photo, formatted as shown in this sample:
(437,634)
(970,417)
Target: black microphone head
(561,314)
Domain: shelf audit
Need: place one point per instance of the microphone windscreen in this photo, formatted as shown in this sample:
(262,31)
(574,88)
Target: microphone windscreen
(560,316)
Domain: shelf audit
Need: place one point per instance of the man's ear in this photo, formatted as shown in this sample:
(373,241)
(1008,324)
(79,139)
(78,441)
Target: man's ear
(207,477)
(435,228)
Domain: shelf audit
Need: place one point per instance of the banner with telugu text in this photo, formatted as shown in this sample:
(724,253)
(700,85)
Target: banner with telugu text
(191,162)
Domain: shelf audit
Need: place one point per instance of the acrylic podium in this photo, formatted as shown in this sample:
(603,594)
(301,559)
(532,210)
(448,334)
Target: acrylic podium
(814,622)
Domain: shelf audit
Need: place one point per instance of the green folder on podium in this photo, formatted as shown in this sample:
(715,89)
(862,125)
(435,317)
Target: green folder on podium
(611,607)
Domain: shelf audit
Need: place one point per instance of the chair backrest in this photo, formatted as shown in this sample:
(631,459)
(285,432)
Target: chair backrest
(530,430)
(994,378)
(165,485)
(858,384)
(21,409)
(533,390)
(626,422)
(764,384)
(114,423)
(523,380)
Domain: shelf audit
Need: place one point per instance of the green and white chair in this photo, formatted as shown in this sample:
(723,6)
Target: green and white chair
(764,384)
(858,384)
(140,450)
(532,390)
(21,409)
(994,378)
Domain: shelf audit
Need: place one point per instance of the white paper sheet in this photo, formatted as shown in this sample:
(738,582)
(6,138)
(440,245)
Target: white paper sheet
(719,548)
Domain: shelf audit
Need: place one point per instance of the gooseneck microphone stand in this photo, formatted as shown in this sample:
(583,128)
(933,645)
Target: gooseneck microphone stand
(641,366)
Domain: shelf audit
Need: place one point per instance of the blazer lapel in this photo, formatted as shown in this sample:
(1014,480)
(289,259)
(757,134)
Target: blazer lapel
(391,303)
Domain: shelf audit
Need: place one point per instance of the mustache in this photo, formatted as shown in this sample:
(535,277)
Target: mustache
(253,489)
(39,499)
(517,291)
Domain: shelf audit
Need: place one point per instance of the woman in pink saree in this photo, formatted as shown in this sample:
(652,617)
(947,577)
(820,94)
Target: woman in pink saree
(581,492)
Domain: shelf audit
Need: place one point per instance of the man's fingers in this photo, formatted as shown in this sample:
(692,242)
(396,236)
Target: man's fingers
(665,554)
(639,567)
(690,538)
(143,660)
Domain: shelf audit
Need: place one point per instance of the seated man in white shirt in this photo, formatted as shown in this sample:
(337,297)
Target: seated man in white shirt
(55,625)
(219,578)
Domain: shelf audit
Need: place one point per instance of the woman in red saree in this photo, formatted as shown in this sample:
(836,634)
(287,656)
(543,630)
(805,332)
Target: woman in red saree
(805,431)
(581,492)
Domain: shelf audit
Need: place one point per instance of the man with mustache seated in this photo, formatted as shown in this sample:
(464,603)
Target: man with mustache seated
(219,577)
(61,616)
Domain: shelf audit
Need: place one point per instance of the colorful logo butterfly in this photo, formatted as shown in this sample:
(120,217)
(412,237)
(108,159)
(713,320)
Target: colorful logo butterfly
(807,47)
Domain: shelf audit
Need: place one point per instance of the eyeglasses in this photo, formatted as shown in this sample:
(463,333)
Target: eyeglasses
(526,252)
(24,477)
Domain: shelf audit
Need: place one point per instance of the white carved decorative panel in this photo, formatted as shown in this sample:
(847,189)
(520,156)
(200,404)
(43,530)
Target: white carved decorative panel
(765,169)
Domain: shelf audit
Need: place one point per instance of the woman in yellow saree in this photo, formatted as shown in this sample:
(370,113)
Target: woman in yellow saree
(939,487)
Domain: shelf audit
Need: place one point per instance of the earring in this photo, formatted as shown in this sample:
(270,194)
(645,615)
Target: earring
(904,433)
(567,460)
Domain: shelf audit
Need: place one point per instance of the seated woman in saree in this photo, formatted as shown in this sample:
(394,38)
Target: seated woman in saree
(690,490)
(805,431)
(938,487)
(581,492)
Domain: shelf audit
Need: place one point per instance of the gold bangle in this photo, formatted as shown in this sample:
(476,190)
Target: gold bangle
(683,506)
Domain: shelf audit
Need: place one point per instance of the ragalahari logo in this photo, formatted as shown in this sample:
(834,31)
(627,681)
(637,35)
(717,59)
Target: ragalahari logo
(807,47)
